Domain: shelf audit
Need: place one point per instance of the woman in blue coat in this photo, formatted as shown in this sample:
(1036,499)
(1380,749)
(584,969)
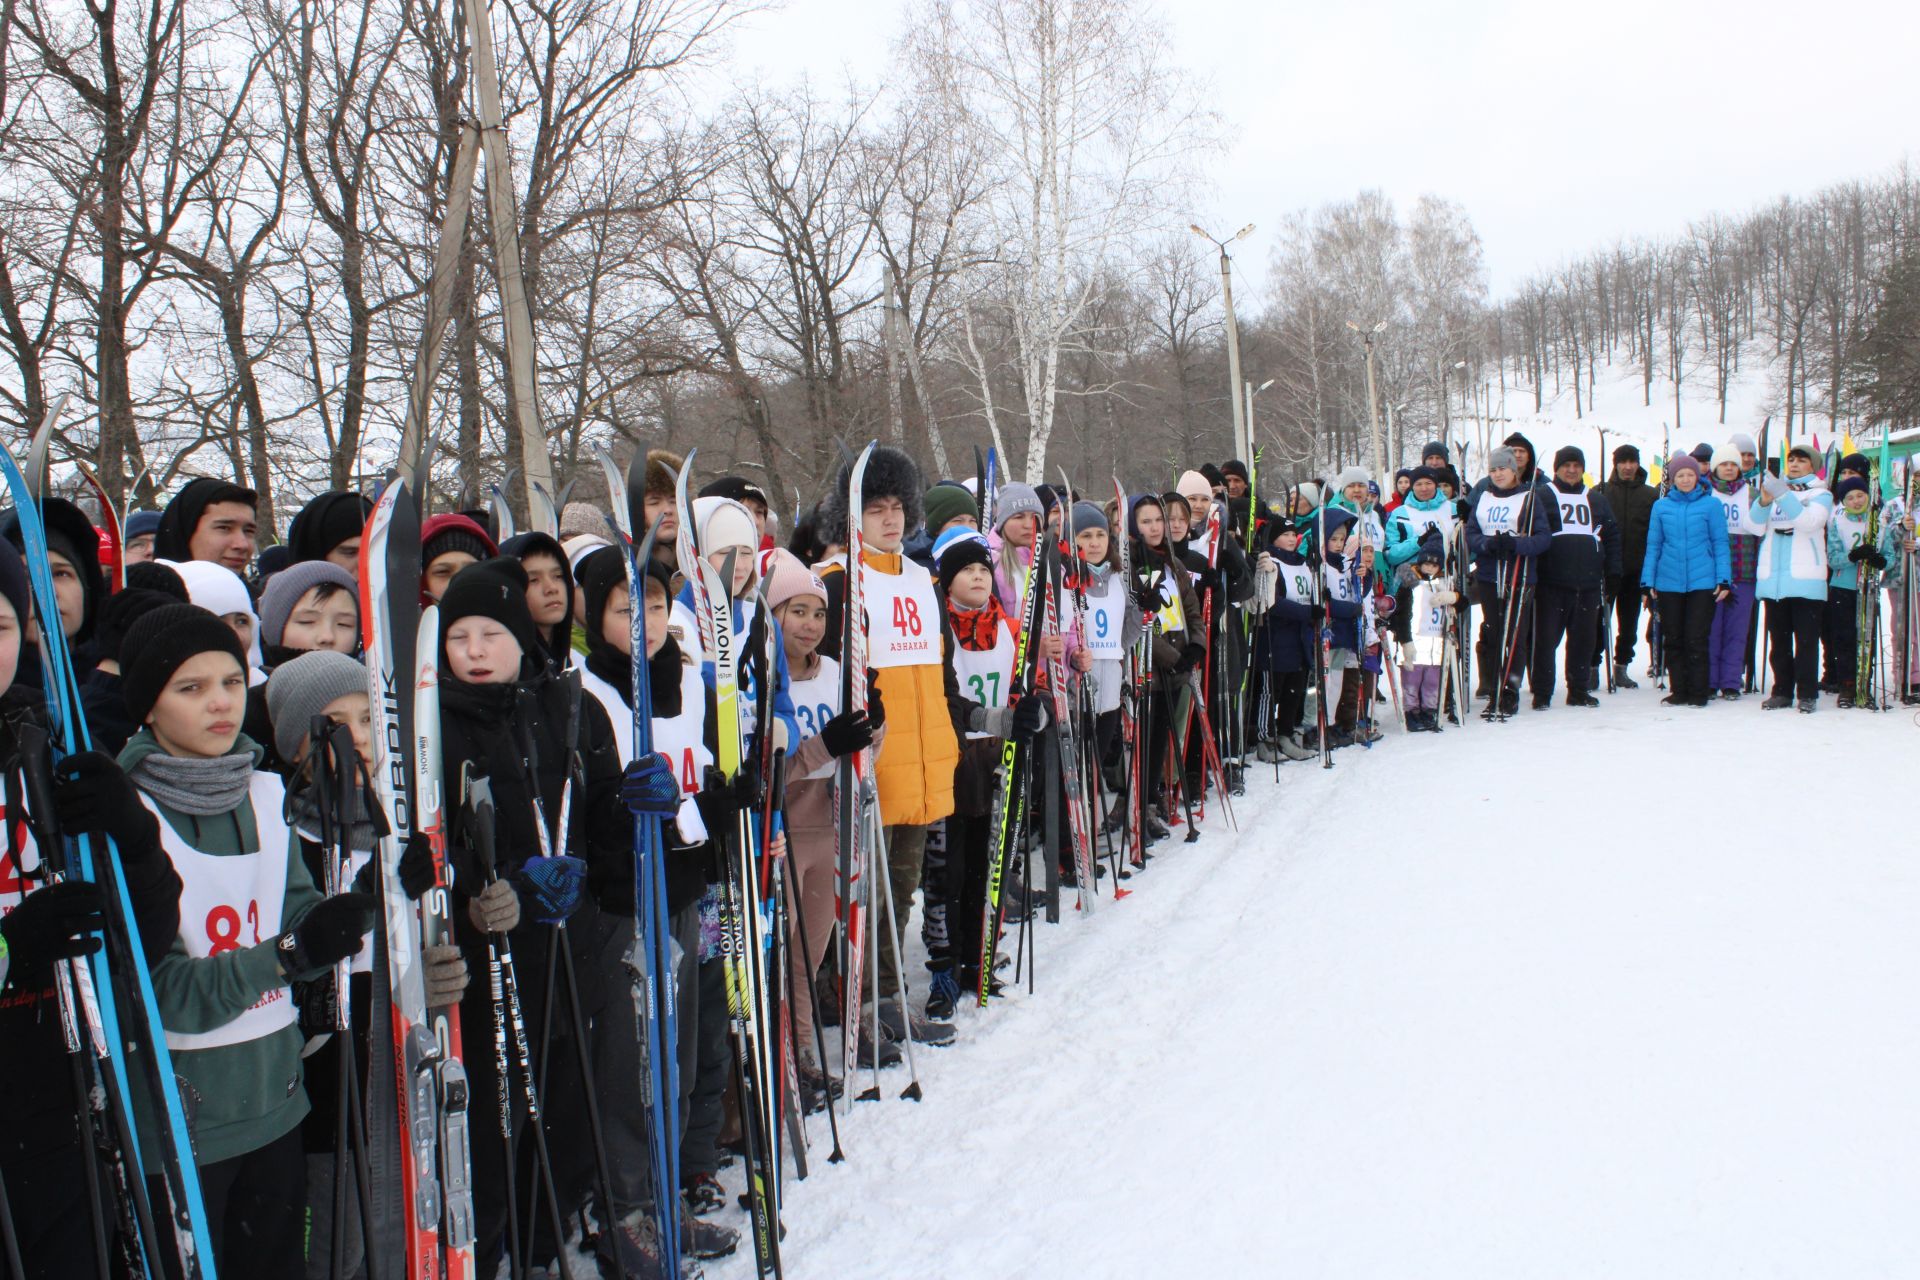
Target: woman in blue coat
(1687,571)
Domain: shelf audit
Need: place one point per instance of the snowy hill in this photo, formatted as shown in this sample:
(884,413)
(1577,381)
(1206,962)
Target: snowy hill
(1622,992)
(1753,393)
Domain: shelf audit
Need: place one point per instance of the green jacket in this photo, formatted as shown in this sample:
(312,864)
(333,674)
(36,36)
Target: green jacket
(239,1097)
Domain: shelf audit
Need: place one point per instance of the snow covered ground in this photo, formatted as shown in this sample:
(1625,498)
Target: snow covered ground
(1608,993)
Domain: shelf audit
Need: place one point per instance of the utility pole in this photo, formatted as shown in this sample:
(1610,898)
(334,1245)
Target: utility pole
(1241,434)
(1373,401)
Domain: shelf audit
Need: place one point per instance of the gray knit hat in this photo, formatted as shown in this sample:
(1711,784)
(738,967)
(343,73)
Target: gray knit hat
(1743,442)
(1502,456)
(301,689)
(286,587)
(1013,500)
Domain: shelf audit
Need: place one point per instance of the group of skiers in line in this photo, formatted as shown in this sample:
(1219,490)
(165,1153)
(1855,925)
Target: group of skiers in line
(212,678)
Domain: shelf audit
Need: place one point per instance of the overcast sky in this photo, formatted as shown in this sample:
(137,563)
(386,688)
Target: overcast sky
(1559,127)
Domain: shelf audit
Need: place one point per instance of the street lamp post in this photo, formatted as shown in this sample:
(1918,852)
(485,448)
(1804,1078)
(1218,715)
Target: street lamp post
(1241,434)
(1373,402)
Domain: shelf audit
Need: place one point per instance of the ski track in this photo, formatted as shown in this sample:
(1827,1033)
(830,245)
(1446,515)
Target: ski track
(1589,993)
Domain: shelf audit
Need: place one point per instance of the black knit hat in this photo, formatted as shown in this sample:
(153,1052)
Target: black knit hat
(174,539)
(889,474)
(495,589)
(13,582)
(956,555)
(151,575)
(122,611)
(598,575)
(1418,474)
(327,521)
(71,536)
(160,643)
(1569,453)
(1626,453)
(735,487)
(1234,467)
(1432,447)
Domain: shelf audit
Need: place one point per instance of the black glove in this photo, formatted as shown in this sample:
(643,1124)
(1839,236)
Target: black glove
(93,796)
(59,922)
(1190,657)
(1503,546)
(846,733)
(552,886)
(1147,597)
(1613,586)
(1878,560)
(876,707)
(328,934)
(1866,553)
(415,867)
(1460,508)
(722,800)
(1030,716)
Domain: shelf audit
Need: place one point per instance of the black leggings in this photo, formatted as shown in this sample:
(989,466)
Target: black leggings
(1793,643)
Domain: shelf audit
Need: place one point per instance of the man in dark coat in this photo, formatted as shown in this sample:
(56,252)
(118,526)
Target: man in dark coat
(1631,499)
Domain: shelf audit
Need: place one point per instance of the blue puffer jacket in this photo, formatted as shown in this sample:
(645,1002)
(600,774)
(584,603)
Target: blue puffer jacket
(1687,543)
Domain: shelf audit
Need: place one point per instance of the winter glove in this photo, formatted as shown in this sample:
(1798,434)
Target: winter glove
(846,733)
(1460,508)
(722,800)
(328,934)
(553,886)
(446,976)
(1190,657)
(59,922)
(1147,597)
(496,909)
(1613,586)
(1444,596)
(92,796)
(876,706)
(649,788)
(1030,716)
(415,867)
(1865,553)
(1503,546)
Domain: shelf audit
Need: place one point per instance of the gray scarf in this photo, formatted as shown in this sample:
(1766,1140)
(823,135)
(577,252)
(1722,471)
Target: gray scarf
(196,785)
(303,806)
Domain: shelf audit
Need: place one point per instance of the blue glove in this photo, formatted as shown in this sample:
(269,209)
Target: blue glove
(649,788)
(553,887)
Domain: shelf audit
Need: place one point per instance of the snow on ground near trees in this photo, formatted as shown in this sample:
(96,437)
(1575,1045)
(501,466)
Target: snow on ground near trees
(1622,992)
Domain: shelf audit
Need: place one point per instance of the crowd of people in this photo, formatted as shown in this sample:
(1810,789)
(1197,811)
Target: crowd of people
(1192,632)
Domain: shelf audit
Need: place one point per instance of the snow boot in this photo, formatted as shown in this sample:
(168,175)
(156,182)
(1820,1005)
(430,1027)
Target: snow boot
(1582,700)
(1778,702)
(1542,704)
(702,1193)
(1730,695)
(1844,702)
(943,995)
(925,1030)
(702,1239)
(1510,700)
(1808,706)
(1266,752)
(1621,680)
(1293,749)
(889,1051)
(816,1087)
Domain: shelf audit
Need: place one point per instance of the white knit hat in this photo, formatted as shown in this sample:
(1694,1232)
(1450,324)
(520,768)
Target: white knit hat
(1728,452)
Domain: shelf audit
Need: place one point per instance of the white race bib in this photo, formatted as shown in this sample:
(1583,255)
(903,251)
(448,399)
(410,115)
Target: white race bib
(816,700)
(231,902)
(1106,617)
(985,675)
(903,616)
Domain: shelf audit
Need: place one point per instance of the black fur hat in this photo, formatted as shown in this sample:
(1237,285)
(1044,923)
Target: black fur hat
(890,474)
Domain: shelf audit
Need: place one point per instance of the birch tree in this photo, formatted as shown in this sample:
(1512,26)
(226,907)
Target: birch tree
(1086,127)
